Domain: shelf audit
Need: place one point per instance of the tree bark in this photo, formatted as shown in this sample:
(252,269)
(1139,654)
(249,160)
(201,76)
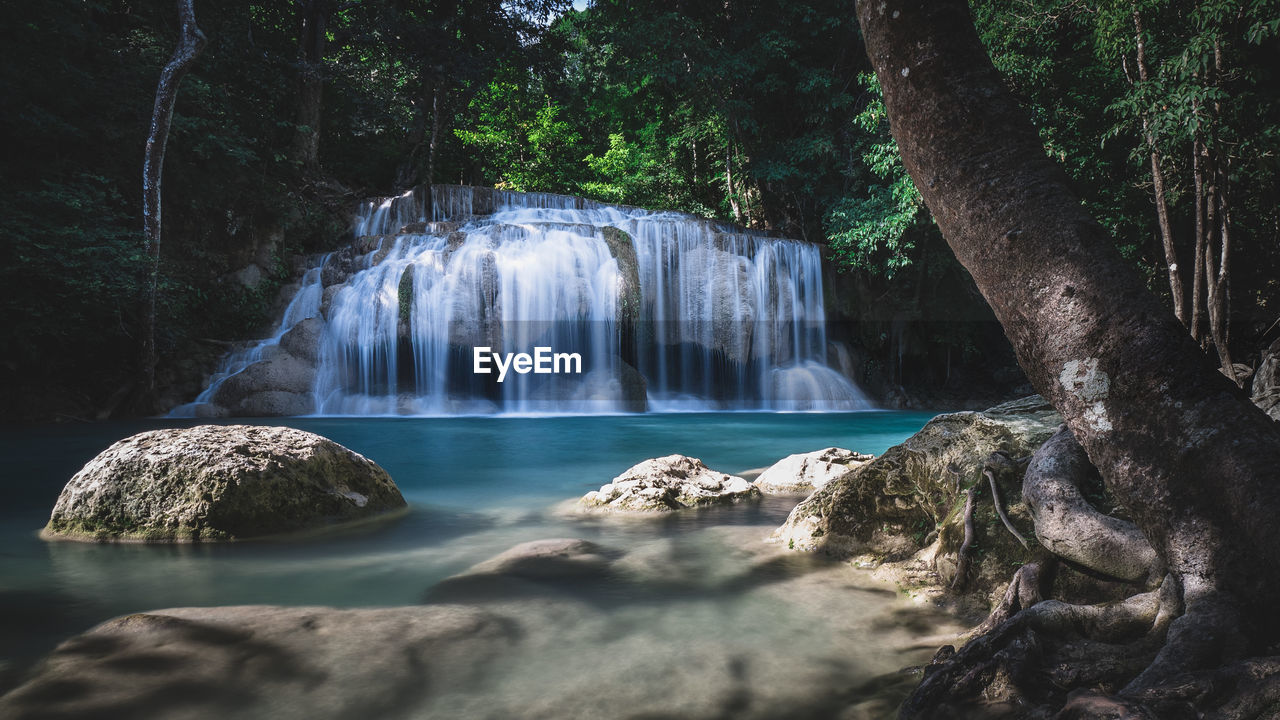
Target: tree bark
(190,42)
(1202,242)
(312,40)
(1191,459)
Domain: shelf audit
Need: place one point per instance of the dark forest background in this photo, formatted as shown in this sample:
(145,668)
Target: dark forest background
(1166,116)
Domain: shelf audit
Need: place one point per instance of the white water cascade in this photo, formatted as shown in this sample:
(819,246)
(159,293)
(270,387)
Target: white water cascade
(667,311)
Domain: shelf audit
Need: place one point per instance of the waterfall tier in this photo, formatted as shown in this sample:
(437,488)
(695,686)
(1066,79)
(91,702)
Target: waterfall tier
(665,311)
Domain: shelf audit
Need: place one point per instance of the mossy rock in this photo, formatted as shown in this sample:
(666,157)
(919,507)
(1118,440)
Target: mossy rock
(913,496)
(219,483)
(623,250)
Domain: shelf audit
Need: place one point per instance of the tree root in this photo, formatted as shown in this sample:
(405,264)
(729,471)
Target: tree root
(1176,651)
(1039,653)
(1004,518)
(1070,527)
(962,558)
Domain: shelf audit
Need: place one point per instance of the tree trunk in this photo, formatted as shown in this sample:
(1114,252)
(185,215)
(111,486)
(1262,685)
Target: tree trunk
(1202,241)
(728,184)
(1186,453)
(312,41)
(434,146)
(1157,186)
(190,42)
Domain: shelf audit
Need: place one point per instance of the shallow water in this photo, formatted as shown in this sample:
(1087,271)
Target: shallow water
(697,618)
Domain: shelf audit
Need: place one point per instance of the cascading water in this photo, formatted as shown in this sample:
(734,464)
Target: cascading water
(666,311)
(305,304)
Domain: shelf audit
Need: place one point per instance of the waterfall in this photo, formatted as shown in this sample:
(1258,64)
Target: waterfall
(666,311)
(304,304)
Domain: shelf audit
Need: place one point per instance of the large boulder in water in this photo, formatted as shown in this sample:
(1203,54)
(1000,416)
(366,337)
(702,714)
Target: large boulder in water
(669,483)
(216,483)
(805,472)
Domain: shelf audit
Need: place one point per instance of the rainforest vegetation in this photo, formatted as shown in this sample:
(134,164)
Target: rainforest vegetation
(1164,113)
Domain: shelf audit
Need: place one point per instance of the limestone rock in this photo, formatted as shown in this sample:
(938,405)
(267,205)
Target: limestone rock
(1266,381)
(278,385)
(263,662)
(303,340)
(805,472)
(668,483)
(912,496)
(623,250)
(720,302)
(215,483)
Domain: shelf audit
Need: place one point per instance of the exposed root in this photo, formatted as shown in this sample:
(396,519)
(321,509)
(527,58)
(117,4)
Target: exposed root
(962,558)
(1025,589)
(1070,527)
(995,498)
(1173,652)
(1041,652)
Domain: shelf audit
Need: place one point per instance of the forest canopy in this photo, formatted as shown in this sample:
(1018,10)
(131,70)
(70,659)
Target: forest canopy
(1165,114)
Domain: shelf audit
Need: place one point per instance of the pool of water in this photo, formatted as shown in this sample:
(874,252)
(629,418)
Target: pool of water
(476,487)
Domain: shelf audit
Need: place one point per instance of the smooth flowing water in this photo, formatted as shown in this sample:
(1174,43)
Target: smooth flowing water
(665,311)
(706,609)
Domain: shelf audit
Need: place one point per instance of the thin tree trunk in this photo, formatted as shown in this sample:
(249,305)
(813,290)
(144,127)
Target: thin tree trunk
(728,183)
(433,147)
(312,41)
(1158,187)
(1183,450)
(1197,285)
(190,42)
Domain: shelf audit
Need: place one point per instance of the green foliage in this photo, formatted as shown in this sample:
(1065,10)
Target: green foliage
(524,141)
(872,231)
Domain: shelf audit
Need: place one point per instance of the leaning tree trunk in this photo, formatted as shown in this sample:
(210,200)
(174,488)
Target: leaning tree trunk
(191,42)
(1186,453)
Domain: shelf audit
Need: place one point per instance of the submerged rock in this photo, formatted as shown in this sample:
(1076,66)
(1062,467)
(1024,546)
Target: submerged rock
(908,504)
(524,570)
(216,483)
(668,483)
(263,662)
(805,472)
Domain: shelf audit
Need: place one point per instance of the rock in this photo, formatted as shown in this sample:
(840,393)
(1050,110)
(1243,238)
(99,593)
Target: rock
(215,483)
(327,296)
(303,340)
(528,569)
(895,506)
(805,472)
(263,662)
(635,389)
(1266,381)
(278,385)
(556,558)
(404,295)
(623,250)
(270,403)
(668,483)
(248,277)
(720,302)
